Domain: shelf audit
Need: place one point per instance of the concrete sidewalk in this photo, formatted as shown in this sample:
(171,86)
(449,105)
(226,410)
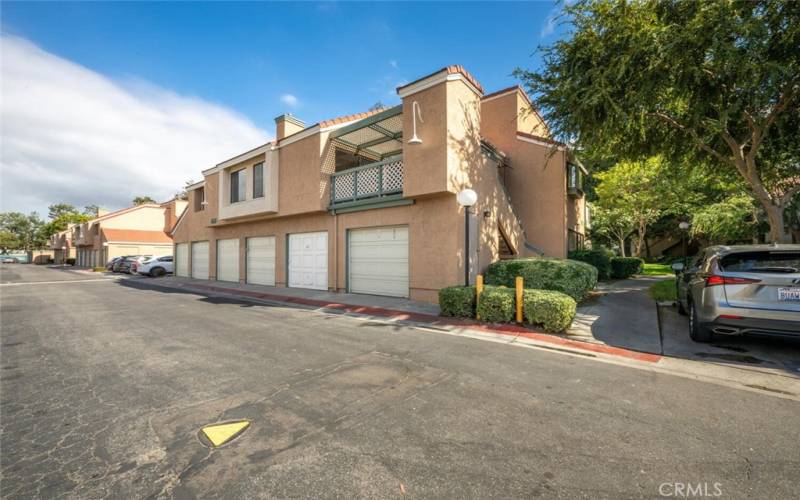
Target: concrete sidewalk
(622,314)
(312,297)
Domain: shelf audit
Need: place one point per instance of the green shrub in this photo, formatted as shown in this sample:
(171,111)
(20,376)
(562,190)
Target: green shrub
(553,310)
(571,277)
(70,261)
(600,258)
(457,301)
(625,267)
(496,305)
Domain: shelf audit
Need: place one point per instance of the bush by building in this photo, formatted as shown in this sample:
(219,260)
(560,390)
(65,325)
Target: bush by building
(571,277)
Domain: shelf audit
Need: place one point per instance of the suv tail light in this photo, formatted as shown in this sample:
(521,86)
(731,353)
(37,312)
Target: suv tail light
(715,279)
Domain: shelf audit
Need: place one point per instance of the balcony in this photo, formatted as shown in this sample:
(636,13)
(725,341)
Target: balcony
(368,186)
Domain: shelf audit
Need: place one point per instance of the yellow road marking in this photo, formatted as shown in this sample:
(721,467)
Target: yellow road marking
(220,434)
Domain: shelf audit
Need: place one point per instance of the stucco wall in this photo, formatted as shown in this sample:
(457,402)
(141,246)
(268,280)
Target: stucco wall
(536,181)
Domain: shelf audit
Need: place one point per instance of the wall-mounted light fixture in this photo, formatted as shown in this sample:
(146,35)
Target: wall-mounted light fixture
(415,111)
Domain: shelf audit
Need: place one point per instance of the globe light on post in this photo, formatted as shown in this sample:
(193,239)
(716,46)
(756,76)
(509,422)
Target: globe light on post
(466,198)
(683,226)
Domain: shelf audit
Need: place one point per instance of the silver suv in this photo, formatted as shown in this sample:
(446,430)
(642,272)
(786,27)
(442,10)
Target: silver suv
(741,289)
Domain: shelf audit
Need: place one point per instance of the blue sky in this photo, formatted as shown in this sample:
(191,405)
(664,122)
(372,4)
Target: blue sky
(258,60)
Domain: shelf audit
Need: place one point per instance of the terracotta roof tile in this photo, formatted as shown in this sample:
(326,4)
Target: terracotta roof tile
(135,236)
(451,70)
(349,118)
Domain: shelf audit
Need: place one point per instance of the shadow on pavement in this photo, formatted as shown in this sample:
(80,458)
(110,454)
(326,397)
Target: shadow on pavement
(623,314)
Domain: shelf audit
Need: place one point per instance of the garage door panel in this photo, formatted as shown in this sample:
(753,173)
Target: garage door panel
(182,259)
(200,260)
(261,260)
(228,260)
(378,261)
(308,260)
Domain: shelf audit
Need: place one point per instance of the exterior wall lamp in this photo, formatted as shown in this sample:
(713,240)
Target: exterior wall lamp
(415,111)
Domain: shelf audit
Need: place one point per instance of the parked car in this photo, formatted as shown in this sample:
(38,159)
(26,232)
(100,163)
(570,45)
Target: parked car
(110,264)
(117,264)
(10,260)
(129,263)
(742,289)
(157,266)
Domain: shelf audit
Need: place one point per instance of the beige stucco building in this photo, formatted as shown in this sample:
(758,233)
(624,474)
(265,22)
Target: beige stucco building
(366,203)
(138,230)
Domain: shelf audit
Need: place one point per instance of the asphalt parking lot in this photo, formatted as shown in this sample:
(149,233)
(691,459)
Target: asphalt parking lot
(105,384)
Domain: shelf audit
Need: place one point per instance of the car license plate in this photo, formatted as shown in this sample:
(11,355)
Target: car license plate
(791,293)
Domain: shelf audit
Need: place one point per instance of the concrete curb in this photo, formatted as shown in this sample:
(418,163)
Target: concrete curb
(506,330)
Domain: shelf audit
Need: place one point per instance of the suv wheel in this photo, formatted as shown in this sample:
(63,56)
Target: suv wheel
(697,332)
(157,272)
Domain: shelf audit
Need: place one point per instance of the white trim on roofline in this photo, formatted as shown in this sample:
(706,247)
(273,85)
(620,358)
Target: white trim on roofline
(502,94)
(196,185)
(435,79)
(541,143)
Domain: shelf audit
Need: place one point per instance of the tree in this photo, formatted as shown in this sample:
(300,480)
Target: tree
(61,216)
(612,224)
(23,231)
(717,80)
(56,210)
(730,220)
(636,190)
(141,200)
(92,210)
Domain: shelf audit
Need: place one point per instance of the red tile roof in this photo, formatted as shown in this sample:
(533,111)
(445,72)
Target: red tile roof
(451,70)
(349,118)
(135,236)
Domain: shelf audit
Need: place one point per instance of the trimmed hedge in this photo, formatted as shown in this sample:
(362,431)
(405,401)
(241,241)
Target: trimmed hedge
(70,261)
(600,258)
(496,305)
(571,277)
(457,301)
(553,310)
(625,267)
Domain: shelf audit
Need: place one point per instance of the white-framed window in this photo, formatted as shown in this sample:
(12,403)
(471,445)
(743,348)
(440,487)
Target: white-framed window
(258,180)
(238,185)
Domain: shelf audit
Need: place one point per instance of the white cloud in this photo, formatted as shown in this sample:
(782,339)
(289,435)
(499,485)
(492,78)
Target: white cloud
(549,24)
(290,100)
(393,63)
(72,135)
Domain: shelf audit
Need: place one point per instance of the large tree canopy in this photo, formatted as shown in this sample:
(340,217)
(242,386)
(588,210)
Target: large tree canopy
(719,80)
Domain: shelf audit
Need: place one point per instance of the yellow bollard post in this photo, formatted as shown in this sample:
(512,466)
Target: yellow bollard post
(518,287)
(478,291)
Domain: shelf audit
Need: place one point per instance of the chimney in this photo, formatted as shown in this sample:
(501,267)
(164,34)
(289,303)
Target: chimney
(286,125)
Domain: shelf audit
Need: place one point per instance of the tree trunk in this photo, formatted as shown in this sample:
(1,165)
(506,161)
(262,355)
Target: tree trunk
(622,247)
(777,232)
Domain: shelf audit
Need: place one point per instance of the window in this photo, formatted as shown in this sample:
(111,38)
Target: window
(199,199)
(258,180)
(575,180)
(166,259)
(238,185)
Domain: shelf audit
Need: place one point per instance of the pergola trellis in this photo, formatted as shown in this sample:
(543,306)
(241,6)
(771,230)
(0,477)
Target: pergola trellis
(376,137)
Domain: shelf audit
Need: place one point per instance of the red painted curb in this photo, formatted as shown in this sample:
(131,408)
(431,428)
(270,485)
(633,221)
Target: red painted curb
(501,329)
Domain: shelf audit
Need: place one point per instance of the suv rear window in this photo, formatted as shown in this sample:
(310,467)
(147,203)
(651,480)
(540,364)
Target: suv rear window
(764,261)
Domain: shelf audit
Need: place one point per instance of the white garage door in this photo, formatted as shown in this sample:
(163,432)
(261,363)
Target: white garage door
(200,260)
(308,260)
(228,260)
(379,261)
(182,259)
(261,260)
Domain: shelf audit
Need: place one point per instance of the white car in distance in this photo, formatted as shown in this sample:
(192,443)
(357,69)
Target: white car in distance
(156,266)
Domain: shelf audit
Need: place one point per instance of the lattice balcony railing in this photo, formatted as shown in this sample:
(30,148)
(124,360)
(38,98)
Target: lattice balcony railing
(368,181)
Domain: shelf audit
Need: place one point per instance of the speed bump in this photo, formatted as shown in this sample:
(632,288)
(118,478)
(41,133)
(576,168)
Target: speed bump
(219,434)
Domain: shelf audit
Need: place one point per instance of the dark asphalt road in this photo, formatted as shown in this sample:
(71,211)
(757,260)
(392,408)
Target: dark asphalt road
(105,384)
